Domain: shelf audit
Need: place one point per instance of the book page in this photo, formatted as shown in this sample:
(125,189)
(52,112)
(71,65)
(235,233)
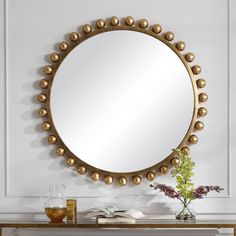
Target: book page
(130,214)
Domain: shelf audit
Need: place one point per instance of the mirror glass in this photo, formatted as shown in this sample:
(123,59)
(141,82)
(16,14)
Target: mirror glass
(121,100)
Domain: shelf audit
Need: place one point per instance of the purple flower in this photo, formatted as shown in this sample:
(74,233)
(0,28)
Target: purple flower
(201,191)
(168,190)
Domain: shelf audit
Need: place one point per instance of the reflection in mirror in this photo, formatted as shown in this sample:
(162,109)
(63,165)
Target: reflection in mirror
(122,100)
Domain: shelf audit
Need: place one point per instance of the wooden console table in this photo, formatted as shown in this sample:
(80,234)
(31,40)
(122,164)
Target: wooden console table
(140,224)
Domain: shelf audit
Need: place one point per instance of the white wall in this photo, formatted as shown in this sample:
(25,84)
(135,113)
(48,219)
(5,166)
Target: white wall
(29,31)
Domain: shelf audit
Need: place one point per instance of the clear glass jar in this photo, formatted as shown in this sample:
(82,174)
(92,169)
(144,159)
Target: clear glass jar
(186,214)
(54,201)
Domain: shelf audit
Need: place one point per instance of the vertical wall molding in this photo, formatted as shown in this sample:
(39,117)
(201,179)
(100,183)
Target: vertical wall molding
(2,97)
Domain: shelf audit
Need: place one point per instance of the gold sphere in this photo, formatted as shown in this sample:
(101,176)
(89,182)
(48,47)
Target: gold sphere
(185,150)
(55,57)
(46,126)
(43,83)
(193,139)
(156,28)
(203,97)
(52,139)
(164,169)
(129,20)
(114,21)
(199,125)
(42,97)
(48,70)
(74,36)
(150,175)
(180,46)
(169,36)
(43,112)
(87,29)
(201,83)
(122,181)
(63,46)
(143,23)
(137,180)
(108,179)
(60,151)
(196,69)
(82,169)
(175,161)
(70,161)
(100,23)
(189,57)
(202,111)
(95,176)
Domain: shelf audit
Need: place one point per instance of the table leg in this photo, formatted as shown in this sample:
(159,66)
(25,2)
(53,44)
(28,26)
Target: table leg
(234,232)
(0,231)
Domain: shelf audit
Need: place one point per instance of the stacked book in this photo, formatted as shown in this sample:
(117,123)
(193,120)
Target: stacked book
(112,215)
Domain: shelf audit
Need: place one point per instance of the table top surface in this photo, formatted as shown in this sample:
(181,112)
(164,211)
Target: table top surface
(141,223)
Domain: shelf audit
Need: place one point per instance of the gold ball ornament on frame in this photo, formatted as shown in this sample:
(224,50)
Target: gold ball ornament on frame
(143,23)
(52,139)
(180,46)
(164,169)
(74,36)
(122,181)
(201,83)
(199,125)
(129,21)
(100,23)
(42,97)
(95,176)
(189,57)
(196,69)
(108,179)
(63,46)
(203,97)
(87,29)
(137,180)
(193,139)
(43,112)
(175,161)
(60,151)
(202,111)
(156,28)
(114,21)
(82,169)
(169,36)
(46,126)
(151,175)
(55,57)
(48,69)
(70,161)
(43,83)
(185,150)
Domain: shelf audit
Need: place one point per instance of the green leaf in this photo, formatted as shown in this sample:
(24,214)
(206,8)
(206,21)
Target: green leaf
(183,174)
(179,179)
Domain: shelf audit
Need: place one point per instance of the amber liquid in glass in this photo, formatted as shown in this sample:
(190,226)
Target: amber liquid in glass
(56,214)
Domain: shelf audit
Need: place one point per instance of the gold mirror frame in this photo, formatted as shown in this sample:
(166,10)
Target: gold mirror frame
(74,40)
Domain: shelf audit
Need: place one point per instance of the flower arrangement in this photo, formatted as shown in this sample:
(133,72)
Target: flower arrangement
(185,190)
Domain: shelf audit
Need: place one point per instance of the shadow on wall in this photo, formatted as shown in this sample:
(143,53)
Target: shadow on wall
(34,128)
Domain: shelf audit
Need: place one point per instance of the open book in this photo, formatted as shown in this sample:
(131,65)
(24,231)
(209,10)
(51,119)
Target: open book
(114,212)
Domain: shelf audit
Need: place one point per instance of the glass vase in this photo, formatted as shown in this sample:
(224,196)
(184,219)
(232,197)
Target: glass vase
(185,214)
(54,201)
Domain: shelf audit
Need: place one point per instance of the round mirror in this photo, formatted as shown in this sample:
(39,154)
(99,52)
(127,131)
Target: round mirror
(120,100)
